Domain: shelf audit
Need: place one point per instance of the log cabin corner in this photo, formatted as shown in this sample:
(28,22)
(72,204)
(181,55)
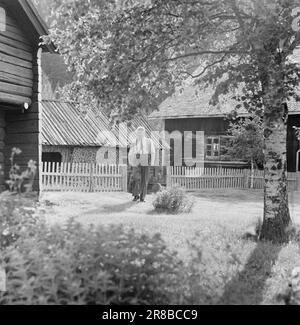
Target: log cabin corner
(20,85)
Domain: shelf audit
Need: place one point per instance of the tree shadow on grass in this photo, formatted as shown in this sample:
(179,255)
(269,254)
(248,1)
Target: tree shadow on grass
(247,287)
(109,209)
(232,196)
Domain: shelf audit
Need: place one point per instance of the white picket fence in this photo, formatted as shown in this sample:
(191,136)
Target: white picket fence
(221,178)
(80,177)
(258,180)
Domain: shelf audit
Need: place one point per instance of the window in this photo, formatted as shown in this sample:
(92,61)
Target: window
(212,147)
(2,20)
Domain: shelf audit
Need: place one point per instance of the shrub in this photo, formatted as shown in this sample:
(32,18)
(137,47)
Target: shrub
(17,212)
(17,217)
(76,265)
(173,200)
(291,294)
(21,181)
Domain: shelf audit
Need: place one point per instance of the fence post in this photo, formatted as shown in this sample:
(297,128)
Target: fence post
(246,178)
(298,181)
(91,189)
(124,178)
(168,177)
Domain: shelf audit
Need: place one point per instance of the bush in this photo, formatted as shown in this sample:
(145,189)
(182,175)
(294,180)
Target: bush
(173,200)
(17,217)
(76,265)
(21,181)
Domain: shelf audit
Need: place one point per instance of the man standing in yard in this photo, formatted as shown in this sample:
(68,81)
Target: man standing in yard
(141,157)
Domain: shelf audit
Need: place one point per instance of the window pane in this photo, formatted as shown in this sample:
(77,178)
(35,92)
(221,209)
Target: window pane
(209,140)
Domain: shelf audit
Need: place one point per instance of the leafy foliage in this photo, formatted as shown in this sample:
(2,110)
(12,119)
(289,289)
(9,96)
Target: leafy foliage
(17,217)
(127,55)
(247,141)
(18,180)
(74,265)
(173,200)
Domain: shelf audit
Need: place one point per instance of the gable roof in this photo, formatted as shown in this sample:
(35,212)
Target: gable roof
(29,20)
(193,102)
(65,125)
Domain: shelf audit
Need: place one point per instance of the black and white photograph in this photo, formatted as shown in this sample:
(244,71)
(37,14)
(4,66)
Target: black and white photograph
(149,155)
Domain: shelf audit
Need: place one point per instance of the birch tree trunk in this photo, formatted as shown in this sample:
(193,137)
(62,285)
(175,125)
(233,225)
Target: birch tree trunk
(276,208)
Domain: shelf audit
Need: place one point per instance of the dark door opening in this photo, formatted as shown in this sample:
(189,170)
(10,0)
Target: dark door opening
(54,157)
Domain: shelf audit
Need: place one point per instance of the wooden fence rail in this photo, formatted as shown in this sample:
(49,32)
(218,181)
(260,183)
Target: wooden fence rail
(80,177)
(220,178)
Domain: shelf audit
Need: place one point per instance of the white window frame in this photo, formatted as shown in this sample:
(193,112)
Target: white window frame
(212,156)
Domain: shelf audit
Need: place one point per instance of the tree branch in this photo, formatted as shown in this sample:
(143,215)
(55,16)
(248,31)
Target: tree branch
(199,53)
(209,66)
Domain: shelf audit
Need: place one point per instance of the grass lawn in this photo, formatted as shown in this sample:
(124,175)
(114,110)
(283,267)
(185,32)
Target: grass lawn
(242,271)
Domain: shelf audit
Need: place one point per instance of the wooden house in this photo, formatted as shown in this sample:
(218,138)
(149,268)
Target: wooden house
(20,84)
(190,110)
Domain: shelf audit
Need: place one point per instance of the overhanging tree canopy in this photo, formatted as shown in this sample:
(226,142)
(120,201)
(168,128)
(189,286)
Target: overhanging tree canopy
(128,55)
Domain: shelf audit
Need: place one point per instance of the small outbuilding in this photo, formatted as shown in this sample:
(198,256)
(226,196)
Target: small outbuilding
(70,135)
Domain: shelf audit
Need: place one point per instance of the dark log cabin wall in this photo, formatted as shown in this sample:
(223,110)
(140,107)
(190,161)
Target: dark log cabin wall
(19,84)
(210,126)
(219,126)
(16,62)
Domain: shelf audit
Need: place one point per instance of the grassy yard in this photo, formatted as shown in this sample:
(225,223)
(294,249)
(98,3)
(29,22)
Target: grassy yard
(243,271)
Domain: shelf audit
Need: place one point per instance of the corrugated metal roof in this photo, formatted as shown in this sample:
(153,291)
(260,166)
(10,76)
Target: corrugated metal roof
(65,125)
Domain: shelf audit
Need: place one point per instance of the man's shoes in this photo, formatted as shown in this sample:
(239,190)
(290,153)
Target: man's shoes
(136,198)
(142,201)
